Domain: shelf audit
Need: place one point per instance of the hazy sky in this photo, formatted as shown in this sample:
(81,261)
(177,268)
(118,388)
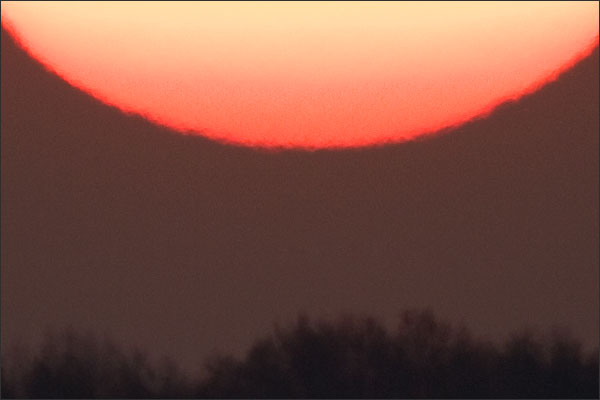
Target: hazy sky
(183,246)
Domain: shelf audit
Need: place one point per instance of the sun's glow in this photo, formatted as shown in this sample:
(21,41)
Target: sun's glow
(305,74)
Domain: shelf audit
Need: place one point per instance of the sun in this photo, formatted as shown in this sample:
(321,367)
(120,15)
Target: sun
(305,74)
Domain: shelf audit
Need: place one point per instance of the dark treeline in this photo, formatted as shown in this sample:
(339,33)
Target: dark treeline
(349,358)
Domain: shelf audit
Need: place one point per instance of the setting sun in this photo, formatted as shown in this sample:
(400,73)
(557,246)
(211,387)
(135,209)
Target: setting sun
(305,74)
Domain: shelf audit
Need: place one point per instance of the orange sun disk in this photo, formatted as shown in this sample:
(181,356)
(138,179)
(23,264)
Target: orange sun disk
(305,74)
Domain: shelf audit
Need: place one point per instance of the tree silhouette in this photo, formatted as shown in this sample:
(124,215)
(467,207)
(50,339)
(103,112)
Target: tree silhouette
(423,359)
(350,358)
